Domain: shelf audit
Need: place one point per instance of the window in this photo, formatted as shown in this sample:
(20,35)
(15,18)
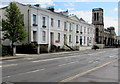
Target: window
(58,23)
(84,39)
(81,29)
(22,19)
(88,30)
(70,27)
(43,21)
(34,36)
(97,16)
(76,39)
(65,26)
(88,41)
(34,19)
(44,35)
(77,29)
(94,16)
(84,29)
(52,22)
(70,38)
(58,37)
(80,40)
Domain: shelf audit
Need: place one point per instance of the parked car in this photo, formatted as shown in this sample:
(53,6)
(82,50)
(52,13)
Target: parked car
(95,47)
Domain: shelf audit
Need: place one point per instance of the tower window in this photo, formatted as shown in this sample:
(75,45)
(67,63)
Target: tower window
(94,16)
(97,16)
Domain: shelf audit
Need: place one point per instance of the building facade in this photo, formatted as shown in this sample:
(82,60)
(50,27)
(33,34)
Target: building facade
(97,20)
(103,37)
(47,28)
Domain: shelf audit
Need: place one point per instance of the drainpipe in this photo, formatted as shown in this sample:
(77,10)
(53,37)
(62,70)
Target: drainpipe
(28,27)
(38,45)
(49,39)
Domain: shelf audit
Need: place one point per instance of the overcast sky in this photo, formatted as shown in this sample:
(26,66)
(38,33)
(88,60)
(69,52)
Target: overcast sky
(81,8)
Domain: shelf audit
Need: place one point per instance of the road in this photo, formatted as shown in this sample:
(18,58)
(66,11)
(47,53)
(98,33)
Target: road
(108,73)
(56,67)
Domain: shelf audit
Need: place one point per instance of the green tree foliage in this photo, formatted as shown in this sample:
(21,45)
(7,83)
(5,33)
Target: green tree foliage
(13,25)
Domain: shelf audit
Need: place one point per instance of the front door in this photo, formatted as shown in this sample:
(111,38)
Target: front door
(65,39)
(52,38)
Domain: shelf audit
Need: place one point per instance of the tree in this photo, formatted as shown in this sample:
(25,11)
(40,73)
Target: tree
(13,25)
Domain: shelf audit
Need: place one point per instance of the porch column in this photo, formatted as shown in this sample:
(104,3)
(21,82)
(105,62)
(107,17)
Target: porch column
(38,49)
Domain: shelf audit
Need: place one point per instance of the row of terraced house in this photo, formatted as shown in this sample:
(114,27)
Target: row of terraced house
(49,29)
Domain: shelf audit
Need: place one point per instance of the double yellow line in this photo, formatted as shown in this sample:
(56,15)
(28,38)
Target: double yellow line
(87,71)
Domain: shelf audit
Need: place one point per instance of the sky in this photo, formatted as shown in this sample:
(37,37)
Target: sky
(80,8)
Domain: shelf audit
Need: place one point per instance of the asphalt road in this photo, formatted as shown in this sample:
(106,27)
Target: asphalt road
(108,73)
(54,68)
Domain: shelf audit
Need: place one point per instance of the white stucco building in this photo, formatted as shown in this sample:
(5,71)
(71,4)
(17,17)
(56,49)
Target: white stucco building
(47,27)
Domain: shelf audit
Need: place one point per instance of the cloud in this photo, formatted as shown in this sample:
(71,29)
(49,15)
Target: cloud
(70,9)
(70,4)
(116,9)
(59,10)
(2,5)
(108,21)
(46,4)
(86,15)
(96,0)
(43,3)
(111,21)
(86,0)
(27,1)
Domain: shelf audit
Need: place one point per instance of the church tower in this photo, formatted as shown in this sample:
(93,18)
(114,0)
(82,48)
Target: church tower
(98,21)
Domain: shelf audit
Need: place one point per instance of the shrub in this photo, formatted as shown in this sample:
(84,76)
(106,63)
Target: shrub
(28,48)
(6,51)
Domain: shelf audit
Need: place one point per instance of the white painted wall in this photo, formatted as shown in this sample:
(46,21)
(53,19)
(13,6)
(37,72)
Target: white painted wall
(55,29)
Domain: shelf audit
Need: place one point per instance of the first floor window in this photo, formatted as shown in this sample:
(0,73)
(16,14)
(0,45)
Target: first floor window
(44,35)
(76,27)
(43,21)
(58,23)
(34,19)
(52,22)
(70,26)
(84,29)
(65,25)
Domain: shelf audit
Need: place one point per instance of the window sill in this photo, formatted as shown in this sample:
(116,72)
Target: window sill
(35,25)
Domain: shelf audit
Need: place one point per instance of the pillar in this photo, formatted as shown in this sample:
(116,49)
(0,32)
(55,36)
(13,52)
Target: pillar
(14,50)
(38,49)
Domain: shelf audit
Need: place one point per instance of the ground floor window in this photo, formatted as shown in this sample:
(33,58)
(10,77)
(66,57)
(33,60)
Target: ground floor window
(84,40)
(58,37)
(70,38)
(80,40)
(34,36)
(43,35)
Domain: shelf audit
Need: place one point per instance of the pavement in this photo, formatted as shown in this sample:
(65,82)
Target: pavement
(18,56)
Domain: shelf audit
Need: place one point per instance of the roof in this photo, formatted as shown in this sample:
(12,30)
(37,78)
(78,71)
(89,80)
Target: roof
(81,19)
(97,9)
(73,17)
